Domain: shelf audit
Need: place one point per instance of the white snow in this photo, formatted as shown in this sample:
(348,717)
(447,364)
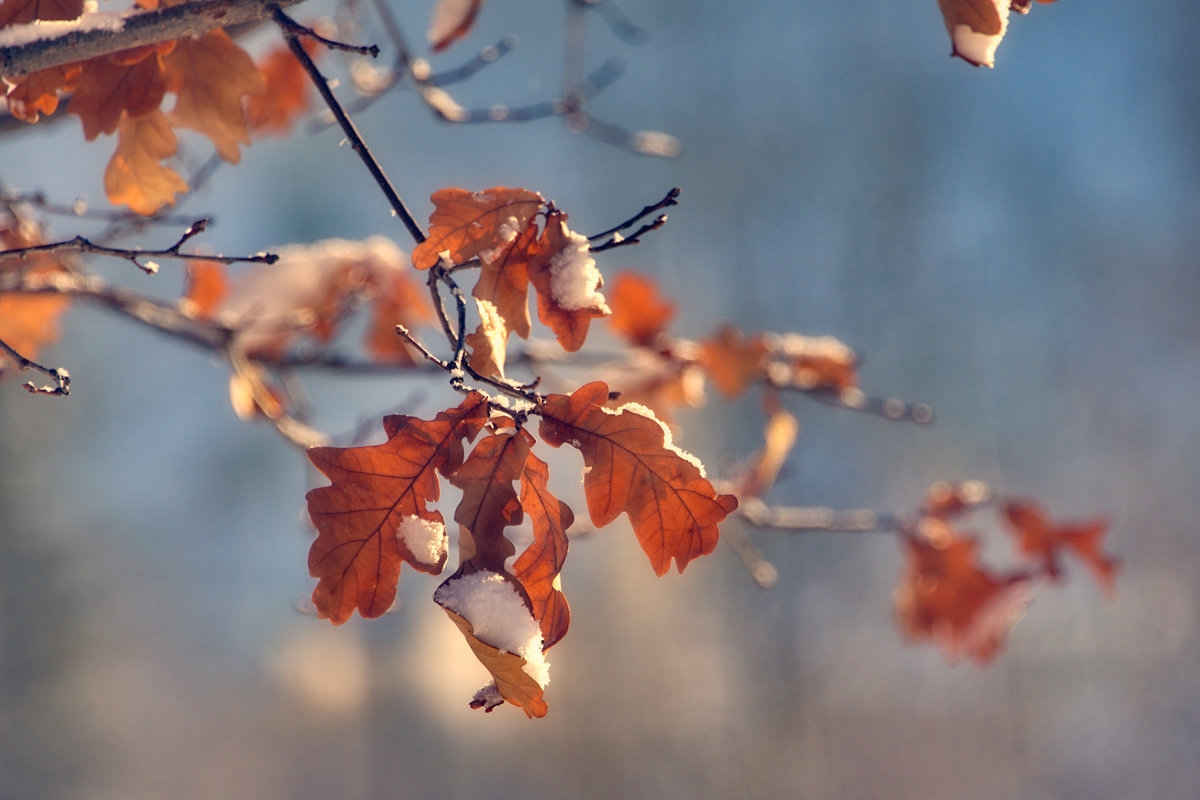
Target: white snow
(425,538)
(656,143)
(638,408)
(498,616)
(506,233)
(978,48)
(51,29)
(574,279)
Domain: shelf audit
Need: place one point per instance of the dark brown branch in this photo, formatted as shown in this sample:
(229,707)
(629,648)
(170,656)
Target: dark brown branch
(352,134)
(61,378)
(296,28)
(671,198)
(93,36)
(81,244)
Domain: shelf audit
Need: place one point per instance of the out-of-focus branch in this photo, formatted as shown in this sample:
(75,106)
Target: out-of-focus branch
(61,378)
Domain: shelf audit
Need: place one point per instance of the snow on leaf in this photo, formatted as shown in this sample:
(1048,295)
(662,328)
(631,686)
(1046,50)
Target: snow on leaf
(489,342)
(451,19)
(976,27)
(1040,538)
(489,502)
(135,175)
(508,671)
(638,312)
(374,490)
(538,567)
(115,84)
(733,360)
(467,224)
(631,469)
(567,282)
(210,75)
(947,597)
(812,363)
(503,276)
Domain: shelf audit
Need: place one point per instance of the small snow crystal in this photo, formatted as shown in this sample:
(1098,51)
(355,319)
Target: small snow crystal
(498,616)
(574,279)
(424,538)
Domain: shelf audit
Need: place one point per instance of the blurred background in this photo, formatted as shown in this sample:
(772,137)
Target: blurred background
(1016,247)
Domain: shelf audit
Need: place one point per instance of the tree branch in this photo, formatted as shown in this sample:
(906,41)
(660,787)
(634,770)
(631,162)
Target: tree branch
(61,378)
(52,44)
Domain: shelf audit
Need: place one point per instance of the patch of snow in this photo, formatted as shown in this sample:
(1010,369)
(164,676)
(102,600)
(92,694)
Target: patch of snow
(980,48)
(574,279)
(425,538)
(638,408)
(498,616)
(41,29)
(506,233)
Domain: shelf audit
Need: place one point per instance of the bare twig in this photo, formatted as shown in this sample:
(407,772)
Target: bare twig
(61,378)
(81,209)
(81,244)
(347,125)
(296,28)
(671,198)
(813,519)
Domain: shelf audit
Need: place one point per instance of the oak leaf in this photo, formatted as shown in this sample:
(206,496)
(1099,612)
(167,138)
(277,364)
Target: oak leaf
(489,342)
(779,436)
(286,94)
(632,467)
(946,596)
(639,313)
(130,82)
(376,511)
(398,301)
(539,565)
(976,27)
(135,175)
(205,286)
(452,19)
(732,360)
(504,279)
(567,282)
(22,12)
(28,322)
(37,93)
(469,224)
(1040,538)
(812,363)
(210,76)
(489,500)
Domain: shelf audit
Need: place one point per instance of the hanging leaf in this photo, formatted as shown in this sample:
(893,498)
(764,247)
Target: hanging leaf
(538,567)
(469,224)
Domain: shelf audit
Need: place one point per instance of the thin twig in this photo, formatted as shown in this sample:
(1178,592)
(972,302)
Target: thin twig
(291,26)
(635,238)
(81,210)
(347,125)
(671,198)
(815,519)
(61,378)
(81,244)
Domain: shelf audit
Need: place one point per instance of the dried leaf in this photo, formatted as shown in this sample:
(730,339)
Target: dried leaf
(28,322)
(489,503)
(286,95)
(638,312)
(114,85)
(732,360)
(469,224)
(452,19)
(1041,539)
(206,285)
(135,175)
(947,597)
(375,490)
(489,342)
(37,92)
(976,27)
(508,670)
(210,76)
(779,435)
(631,466)
(567,282)
(22,12)
(504,279)
(539,565)
(243,386)
(398,301)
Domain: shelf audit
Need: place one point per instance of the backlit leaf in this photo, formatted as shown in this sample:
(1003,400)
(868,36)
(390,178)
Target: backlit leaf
(287,90)
(37,93)
(638,312)
(469,224)
(135,175)
(110,86)
(489,500)
(539,565)
(732,360)
(28,322)
(1042,539)
(504,279)
(22,12)
(508,671)
(567,282)
(632,467)
(452,19)
(375,492)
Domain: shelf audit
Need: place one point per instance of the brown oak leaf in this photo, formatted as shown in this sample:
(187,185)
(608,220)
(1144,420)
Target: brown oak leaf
(114,85)
(287,90)
(489,342)
(398,301)
(504,279)
(22,12)
(210,76)
(469,224)
(539,565)
(37,93)
(632,467)
(638,311)
(976,27)
(489,500)
(376,515)
(451,20)
(732,360)
(135,175)
(1042,539)
(28,322)
(567,282)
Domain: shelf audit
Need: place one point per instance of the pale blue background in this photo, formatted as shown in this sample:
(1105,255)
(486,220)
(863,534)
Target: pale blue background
(1016,247)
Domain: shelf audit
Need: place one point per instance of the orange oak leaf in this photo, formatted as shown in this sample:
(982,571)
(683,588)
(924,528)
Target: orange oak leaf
(946,596)
(1040,538)
(28,322)
(205,286)
(567,282)
(504,279)
(452,19)
(469,224)
(398,301)
(210,76)
(113,85)
(37,92)
(631,466)
(732,360)
(135,175)
(663,379)
(779,436)
(489,503)
(287,91)
(489,342)
(638,312)
(539,565)
(976,27)
(491,610)
(22,12)
(376,515)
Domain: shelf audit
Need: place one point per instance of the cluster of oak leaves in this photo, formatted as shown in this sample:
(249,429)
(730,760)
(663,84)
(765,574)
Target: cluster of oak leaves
(379,510)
